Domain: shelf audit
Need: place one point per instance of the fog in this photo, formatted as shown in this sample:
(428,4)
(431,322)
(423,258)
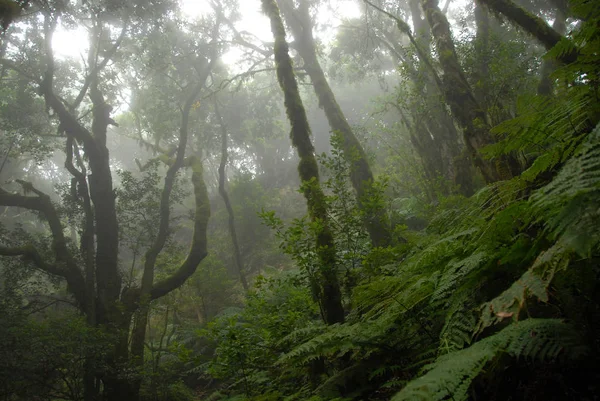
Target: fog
(299,200)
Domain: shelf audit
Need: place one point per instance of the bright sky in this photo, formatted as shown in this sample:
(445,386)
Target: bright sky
(73,43)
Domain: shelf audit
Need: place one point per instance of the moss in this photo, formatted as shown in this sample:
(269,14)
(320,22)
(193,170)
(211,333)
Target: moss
(307,168)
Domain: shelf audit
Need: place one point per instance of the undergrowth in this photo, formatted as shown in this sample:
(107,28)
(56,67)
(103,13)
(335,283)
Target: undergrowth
(498,295)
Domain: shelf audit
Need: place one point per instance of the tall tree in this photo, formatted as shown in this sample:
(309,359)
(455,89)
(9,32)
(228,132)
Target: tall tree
(462,101)
(92,274)
(331,296)
(432,130)
(301,25)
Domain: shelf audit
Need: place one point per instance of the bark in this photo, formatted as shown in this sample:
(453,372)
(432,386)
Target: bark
(459,96)
(108,280)
(223,192)
(531,24)
(481,49)
(331,297)
(147,284)
(361,176)
(96,285)
(65,266)
(433,133)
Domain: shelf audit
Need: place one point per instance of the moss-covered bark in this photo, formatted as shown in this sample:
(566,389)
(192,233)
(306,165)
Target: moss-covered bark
(361,176)
(432,130)
(531,23)
(331,297)
(460,97)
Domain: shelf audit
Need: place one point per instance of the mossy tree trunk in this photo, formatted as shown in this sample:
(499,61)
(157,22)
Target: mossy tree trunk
(460,97)
(330,296)
(432,130)
(529,22)
(455,166)
(361,176)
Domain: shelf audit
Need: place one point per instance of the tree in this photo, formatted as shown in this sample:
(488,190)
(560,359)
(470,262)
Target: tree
(462,101)
(224,194)
(330,293)
(92,272)
(432,130)
(301,25)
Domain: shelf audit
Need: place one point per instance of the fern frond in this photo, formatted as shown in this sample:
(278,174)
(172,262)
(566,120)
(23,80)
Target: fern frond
(459,327)
(451,375)
(454,273)
(302,334)
(568,204)
(533,283)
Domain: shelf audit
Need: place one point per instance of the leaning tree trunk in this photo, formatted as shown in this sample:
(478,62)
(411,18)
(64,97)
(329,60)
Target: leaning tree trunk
(455,165)
(361,176)
(330,297)
(532,24)
(461,99)
(434,134)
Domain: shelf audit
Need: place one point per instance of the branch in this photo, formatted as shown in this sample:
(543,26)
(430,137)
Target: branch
(30,254)
(532,24)
(198,250)
(87,244)
(68,122)
(147,285)
(445,9)
(404,28)
(239,39)
(99,67)
(67,267)
(12,66)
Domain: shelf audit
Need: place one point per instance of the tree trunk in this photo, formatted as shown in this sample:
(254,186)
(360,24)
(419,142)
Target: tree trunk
(434,134)
(532,24)
(482,37)
(459,96)
(361,176)
(96,285)
(331,296)
(223,192)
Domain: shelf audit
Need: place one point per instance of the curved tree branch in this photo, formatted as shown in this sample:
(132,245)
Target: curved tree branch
(66,267)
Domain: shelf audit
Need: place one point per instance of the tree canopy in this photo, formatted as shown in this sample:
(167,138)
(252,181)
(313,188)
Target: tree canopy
(299,200)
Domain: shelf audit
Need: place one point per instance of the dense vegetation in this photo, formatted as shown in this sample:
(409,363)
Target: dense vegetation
(428,230)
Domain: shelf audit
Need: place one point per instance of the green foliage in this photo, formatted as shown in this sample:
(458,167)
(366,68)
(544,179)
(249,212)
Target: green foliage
(248,343)
(492,296)
(48,359)
(450,376)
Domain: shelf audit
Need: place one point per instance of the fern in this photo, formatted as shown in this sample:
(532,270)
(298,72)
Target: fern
(458,328)
(569,203)
(451,375)
(455,272)
(533,283)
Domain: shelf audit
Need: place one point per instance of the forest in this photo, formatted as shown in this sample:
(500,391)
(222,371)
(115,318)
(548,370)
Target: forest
(227,200)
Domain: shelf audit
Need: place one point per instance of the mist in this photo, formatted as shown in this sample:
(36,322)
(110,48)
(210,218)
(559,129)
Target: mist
(299,200)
